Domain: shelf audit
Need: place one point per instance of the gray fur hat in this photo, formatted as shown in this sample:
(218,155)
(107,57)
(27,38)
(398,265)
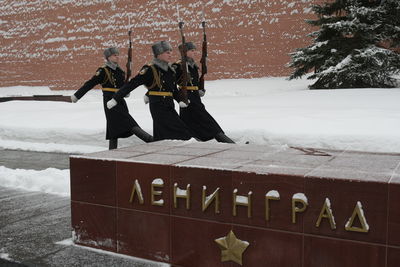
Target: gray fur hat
(110,51)
(161,47)
(189,46)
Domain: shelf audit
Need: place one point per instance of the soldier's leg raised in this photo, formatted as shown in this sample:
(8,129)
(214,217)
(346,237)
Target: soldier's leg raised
(139,132)
(221,137)
(113,144)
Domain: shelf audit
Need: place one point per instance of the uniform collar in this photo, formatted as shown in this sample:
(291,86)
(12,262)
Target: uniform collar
(162,64)
(191,62)
(112,65)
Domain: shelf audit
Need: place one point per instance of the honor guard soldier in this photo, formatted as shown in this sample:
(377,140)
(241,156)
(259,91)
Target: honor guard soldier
(195,116)
(120,123)
(159,78)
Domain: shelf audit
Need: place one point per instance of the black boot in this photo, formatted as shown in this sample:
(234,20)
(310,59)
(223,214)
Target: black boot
(113,144)
(139,132)
(221,137)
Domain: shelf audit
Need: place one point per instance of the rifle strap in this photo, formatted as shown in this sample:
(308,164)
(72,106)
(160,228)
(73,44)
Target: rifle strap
(108,76)
(156,78)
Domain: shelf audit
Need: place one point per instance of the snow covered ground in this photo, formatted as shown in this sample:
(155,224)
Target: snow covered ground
(262,111)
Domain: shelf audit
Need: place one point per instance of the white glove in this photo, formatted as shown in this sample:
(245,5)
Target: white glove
(111,103)
(74,99)
(202,93)
(146,99)
(127,95)
(182,104)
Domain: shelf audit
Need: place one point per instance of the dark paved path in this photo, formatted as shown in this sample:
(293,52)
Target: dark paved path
(32,222)
(17,159)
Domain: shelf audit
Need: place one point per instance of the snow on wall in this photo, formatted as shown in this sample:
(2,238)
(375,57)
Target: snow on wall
(59,43)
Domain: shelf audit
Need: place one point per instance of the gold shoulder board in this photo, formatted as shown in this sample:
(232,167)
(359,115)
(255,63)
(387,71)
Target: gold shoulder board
(143,71)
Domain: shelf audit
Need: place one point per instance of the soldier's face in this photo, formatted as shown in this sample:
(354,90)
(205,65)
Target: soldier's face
(166,56)
(191,53)
(114,58)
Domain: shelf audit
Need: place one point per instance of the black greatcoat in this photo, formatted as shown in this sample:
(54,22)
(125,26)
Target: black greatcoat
(196,117)
(166,121)
(119,121)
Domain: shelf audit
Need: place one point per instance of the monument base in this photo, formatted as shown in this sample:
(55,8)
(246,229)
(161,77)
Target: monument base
(212,204)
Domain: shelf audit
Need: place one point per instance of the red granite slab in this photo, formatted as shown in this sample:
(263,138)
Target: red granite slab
(145,148)
(197,178)
(266,149)
(298,157)
(93,181)
(393,257)
(335,252)
(210,145)
(280,211)
(343,196)
(147,177)
(359,166)
(193,242)
(238,154)
(116,154)
(144,234)
(212,163)
(161,159)
(289,161)
(190,151)
(112,192)
(270,248)
(394,211)
(94,225)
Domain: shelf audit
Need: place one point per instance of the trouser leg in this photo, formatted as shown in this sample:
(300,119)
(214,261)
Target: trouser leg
(139,132)
(221,137)
(113,144)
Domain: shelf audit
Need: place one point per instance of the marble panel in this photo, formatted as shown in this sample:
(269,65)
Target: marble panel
(217,183)
(394,212)
(93,181)
(94,225)
(144,187)
(335,252)
(270,248)
(144,234)
(266,210)
(348,209)
(193,242)
(393,257)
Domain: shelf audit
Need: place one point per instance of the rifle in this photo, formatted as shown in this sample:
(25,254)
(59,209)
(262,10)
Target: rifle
(203,59)
(185,75)
(61,98)
(129,62)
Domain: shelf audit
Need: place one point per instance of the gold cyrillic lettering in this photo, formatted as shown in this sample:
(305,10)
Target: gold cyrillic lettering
(326,212)
(298,198)
(136,190)
(359,213)
(179,193)
(156,184)
(207,200)
(242,201)
(271,195)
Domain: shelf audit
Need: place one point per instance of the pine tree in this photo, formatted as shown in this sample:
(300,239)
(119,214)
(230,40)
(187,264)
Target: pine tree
(354,46)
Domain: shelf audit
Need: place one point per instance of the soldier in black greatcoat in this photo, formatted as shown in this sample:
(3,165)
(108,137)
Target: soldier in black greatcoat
(120,123)
(196,117)
(159,78)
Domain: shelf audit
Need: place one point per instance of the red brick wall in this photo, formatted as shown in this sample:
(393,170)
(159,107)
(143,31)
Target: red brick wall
(59,43)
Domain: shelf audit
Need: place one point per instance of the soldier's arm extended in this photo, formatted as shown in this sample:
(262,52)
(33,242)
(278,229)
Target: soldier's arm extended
(95,80)
(143,77)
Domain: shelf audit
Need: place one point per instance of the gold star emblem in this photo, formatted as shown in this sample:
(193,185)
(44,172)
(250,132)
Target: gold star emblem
(231,248)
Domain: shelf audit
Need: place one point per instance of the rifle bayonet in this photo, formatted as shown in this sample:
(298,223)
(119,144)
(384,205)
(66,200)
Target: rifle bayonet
(185,75)
(129,62)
